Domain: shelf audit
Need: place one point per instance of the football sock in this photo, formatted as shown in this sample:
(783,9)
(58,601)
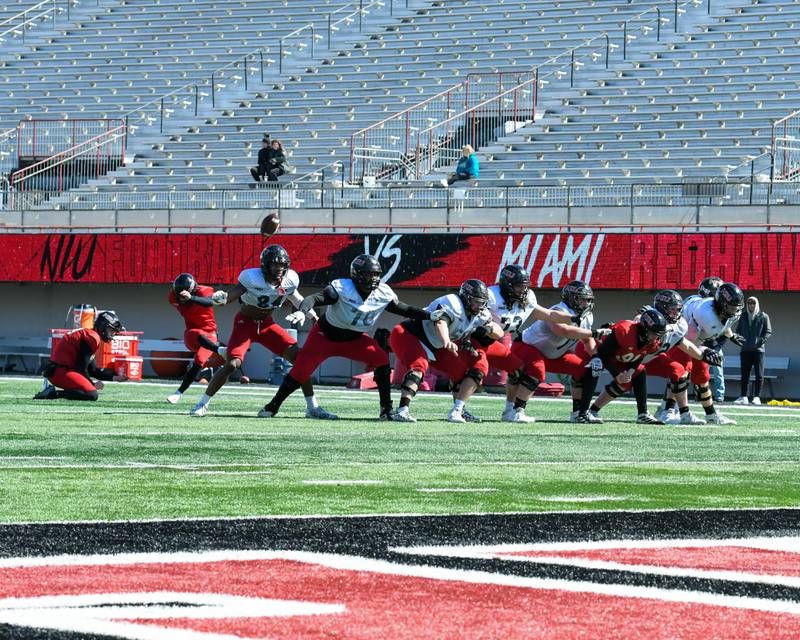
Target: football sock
(287,388)
(669,403)
(205,399)
(311,403)
(459,405)
(709,410)
(404,402)
(509,405)
(594,408)
(188,379)
(684,409)
(576,404)
(519,404)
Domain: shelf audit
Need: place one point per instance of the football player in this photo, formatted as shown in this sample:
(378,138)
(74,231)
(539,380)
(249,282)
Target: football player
(354,306)
(511,303)
(663,364)
(707,319)
(545,346)
(72,364)
(446,341)
(621,354)
(195,304)
(261,291)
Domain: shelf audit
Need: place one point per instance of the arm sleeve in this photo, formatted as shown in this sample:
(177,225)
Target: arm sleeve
(86,365)
(606,353)
(100,374)
(202,301)
(325,297)
(407,310)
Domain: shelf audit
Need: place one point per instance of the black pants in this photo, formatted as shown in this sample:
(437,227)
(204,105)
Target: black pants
(752,360)
(455,177)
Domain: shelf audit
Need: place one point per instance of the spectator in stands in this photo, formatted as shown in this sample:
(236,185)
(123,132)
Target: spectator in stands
(755,329)
(716,372)
(260,171)
(466,169)
(276,161)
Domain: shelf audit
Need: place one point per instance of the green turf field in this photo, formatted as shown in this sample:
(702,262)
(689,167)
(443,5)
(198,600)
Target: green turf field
(132,456)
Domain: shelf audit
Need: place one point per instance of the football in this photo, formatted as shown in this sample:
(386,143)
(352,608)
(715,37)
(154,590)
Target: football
(270,224)
(244,380)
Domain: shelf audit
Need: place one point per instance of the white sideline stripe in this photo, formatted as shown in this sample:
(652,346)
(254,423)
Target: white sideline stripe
(328,516)
(582,498)
(338,482)
(502,463)
(231,473)
(34,457)
(351,563)
(787,544)
(455,490)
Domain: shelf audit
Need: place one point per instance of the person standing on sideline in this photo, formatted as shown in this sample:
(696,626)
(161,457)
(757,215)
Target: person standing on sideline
(717,372)
(466,169)
(755,329)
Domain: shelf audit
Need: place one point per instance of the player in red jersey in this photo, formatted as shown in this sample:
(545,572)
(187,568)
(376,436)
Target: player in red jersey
(195,303)
(621,353)
(72,362)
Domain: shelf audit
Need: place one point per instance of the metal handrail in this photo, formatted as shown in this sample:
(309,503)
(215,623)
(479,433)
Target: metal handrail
(360,12)
(54,10)
(317,172)
(294,33)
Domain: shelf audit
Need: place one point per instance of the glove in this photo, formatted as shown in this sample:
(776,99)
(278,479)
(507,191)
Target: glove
(737,339)
(296,319)
(596,365)
(714,358)
(599,334)
(438,314)
(624,377)
(467,346)
(219,298)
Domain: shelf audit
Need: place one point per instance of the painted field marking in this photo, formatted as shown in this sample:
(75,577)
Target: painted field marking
(582,498)
(230,473)
(342,482)
(455,490)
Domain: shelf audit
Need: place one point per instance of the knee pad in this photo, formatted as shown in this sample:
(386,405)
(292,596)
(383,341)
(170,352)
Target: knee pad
(529,382)
(614,390)
(679,386)
(702,392)
(382,374)
(513,378)
(475,375)
(411,382)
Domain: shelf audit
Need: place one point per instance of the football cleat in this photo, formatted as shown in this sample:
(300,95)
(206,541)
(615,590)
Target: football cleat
(174,398)
(222,352)
(690,418)
(646,418)
(669,417)
(48,393)
(199,411)
(267,412)
(573,417)
(588,418)
(741,400)
(456,415)
(469,417)
(756,401)
(508,415)
(403,415)
(320,414)
(718,418)
(519,416)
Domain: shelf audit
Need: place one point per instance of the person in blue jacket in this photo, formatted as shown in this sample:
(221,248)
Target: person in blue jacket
(467,168)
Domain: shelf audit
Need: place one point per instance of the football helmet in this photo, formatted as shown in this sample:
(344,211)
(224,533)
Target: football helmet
(579,297)
(274,263)
(184,282)
(708,286)
(670,303)
(475,296)
(366,272)
(728,301)
(514,283)
(652,326)
(107,324)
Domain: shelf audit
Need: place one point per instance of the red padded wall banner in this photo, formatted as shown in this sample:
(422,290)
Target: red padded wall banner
(756,261)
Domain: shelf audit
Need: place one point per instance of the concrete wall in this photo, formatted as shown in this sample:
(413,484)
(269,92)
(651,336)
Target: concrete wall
(215,220)
(32,309)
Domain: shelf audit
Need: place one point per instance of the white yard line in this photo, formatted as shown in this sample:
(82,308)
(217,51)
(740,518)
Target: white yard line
(455,490)
(342,482)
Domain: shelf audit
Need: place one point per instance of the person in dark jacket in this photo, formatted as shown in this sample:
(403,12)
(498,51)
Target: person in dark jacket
(755,329)
(258,172)
(466,169)
(276,161)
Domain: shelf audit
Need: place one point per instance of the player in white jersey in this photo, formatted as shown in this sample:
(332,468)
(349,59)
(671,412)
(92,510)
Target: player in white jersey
(261,291)
(447,341)
(354,306)
(546,346)
(708,319)
(663,364)
(512,303)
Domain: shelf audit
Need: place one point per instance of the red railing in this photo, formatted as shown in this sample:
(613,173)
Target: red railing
(389,145)
(441,143)
(89,159)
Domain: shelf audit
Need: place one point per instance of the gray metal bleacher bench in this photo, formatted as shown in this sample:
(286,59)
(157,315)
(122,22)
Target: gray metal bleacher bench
(774,368)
